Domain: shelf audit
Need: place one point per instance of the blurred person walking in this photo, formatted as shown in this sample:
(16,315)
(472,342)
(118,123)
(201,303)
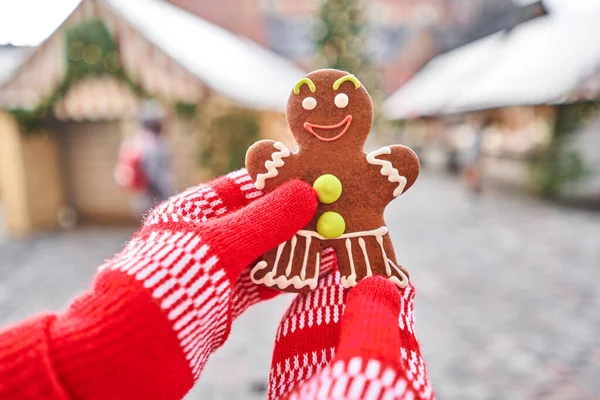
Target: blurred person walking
(472,169)
(144,167)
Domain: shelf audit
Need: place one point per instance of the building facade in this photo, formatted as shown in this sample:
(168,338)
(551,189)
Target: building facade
(404,34)
(67,107)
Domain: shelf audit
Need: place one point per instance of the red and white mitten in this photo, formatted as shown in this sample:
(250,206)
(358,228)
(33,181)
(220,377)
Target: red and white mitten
(219,197)
(308,333)
(365,349)
(161,306)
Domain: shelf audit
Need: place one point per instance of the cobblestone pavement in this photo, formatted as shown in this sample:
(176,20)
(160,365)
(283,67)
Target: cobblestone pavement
(44,272)
(508,295)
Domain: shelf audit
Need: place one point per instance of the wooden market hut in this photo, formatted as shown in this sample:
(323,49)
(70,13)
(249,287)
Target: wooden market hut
(526,80)
(72,101)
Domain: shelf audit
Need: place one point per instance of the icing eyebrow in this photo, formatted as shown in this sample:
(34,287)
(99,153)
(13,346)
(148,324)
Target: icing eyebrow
(351,78)
(307,82)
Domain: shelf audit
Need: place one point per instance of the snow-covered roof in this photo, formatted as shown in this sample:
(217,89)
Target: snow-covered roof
(191,54)
(539,62)
(10,59)
(230,64)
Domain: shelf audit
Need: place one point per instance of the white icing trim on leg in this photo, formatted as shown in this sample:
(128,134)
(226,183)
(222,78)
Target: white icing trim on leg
(305,260)
(363,247)
(312,283)
(387,169)
(299,281)
(263,264)
(350,280)
(272,165)
(400,283)
(288,270)
(388,270)
(259,267)
(279,251)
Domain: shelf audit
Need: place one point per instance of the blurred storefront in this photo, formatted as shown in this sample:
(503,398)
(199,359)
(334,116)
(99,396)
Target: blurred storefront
(75,98)
(535,85)
(402,34)
(10,59)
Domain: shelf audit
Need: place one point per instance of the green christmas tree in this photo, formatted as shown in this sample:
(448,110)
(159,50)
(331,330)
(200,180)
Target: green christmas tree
(341,35)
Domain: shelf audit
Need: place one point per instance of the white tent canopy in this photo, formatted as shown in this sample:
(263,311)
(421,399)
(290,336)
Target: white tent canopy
(539,62)
(10,59)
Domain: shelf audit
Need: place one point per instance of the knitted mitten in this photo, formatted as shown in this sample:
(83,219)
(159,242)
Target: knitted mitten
(212,200)
(308,333)
(161,306)
(371,341)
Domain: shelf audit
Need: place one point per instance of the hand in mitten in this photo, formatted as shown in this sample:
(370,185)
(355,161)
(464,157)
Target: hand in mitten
(356,344)
(161,306)
(378,356)
(213,200)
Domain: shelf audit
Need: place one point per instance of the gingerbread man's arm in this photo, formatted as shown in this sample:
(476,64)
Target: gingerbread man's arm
(398,164)
(265,160)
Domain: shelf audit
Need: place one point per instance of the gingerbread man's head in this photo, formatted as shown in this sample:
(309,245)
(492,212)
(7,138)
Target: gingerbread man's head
(329,107)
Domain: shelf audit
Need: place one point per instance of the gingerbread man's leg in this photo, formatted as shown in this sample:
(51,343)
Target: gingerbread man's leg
(359,257)
(394,271)
(293,266)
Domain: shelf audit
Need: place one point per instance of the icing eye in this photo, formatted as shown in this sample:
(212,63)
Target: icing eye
(341,100)
(309,103)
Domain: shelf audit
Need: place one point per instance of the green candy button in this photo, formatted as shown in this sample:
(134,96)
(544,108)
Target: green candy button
(328,187)
(331,225)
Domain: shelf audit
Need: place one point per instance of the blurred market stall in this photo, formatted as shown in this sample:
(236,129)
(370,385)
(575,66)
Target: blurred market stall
(537,85)
(76,97)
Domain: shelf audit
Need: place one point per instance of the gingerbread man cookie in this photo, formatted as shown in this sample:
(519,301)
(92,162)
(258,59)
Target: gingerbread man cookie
(330,115)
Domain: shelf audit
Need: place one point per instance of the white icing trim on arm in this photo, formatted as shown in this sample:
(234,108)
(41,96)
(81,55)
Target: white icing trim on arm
(387,169)
(271,165)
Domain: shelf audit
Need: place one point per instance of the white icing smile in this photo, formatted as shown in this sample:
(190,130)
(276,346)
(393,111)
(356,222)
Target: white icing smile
(345,123)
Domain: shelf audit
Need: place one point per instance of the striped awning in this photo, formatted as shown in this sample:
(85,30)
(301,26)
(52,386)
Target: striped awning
(96,98)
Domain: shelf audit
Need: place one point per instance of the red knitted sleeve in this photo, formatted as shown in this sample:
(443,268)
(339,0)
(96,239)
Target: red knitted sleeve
(377,354)
(160,307)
